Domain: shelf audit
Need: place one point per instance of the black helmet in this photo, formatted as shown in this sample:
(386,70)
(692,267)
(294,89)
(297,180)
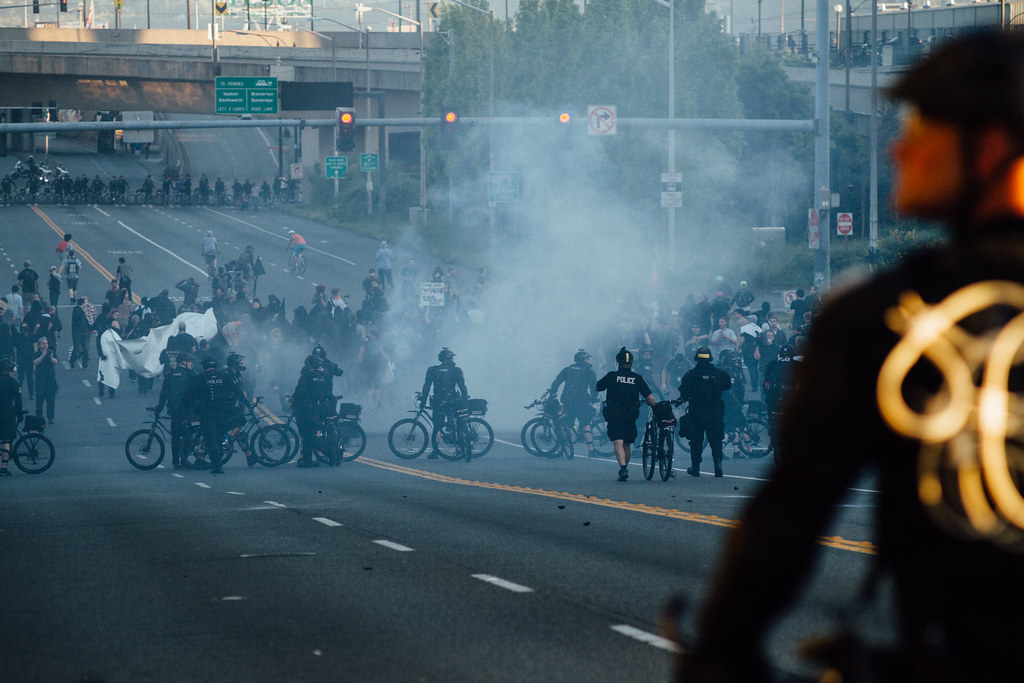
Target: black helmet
(703,355)
(314,362)
(785,351)
(624,357)
(7,364)
(235,360)
(581,356)
(319,350)
(209,363)
(184,357)
(446,355)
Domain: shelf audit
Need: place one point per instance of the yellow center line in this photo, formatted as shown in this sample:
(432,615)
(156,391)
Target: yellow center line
(79,250)
(829,541)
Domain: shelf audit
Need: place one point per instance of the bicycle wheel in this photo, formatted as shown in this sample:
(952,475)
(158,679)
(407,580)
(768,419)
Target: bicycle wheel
(465,441)
(648,454)
(524,436)
(351,441)
(755,438)
(274,445)
(446,444)
(481,436)
(33,453)
(544,438)
(665,448)
(408,438)
(144,449)
(300,264)
(326,450)
(602,444)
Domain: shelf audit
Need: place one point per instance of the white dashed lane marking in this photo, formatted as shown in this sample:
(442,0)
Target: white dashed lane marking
(326,522)
(394,546)
(110,422)
(502,583)
(277,505)
(202,485)
(645,637)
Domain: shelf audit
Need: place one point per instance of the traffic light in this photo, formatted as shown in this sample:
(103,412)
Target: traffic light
(449,129)
(63,5)
(345,136)
(35,6)
(564,117)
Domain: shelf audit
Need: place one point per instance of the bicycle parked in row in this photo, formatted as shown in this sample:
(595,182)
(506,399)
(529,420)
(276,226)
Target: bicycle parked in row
(548,435)
(145,448)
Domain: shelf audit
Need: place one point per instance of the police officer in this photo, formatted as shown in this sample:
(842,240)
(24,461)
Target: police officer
(10,410)
(622,406)
(235,366)
(178,377)
(448,383)
(878,365)
(312,402)
(214,395)
(702,388)
(578,395)
(779,381)
(329,368)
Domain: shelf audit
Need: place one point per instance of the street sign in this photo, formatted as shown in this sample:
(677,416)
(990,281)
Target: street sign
(335,167)
(367,162)
(844,223)
(433,10)
(246,95)
(671,190)
(296,171)
(502,188)
(601,120)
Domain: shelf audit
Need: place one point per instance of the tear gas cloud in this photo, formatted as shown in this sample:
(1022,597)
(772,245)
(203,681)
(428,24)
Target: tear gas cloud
(579,265)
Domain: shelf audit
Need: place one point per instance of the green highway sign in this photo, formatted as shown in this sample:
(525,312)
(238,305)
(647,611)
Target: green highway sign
(335,167)
(246,95)
(502,188)
(367,162)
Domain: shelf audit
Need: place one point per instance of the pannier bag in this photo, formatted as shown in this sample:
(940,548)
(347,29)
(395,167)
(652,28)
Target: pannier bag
(34,423)
(477,406)
(663,412)
(349,411)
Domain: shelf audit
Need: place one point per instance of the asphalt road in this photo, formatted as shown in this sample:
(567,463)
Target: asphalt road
(508,568)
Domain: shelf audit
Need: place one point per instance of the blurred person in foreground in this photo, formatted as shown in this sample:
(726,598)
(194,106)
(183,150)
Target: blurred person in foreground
(903,362)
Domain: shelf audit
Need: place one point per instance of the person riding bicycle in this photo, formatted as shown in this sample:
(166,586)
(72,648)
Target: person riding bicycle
(10,410)
(312,403)
(578,395)
(178,377)
(211,251)
(148,188)
(702,389)
(297,244)
(449,385)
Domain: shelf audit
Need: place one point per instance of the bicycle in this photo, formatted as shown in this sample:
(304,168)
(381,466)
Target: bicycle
(297,264)
(145,448)
(33,453)
(548,435)
(465,434)
(408,437)
(258,441)
(657,445)
(339,438)
(752,439)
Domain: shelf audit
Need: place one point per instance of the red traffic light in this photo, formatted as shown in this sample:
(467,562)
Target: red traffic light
(451,117)
(564,118)
(346,117)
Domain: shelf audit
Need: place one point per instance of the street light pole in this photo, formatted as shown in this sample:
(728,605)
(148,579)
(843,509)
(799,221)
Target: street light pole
(671,115)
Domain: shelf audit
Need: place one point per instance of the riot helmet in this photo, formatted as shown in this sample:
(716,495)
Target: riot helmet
(236,361)
(703,355)
(785,351)
(313,362)
(320,351)
(446,355)
(581,357)
(624,357)
(209,363)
